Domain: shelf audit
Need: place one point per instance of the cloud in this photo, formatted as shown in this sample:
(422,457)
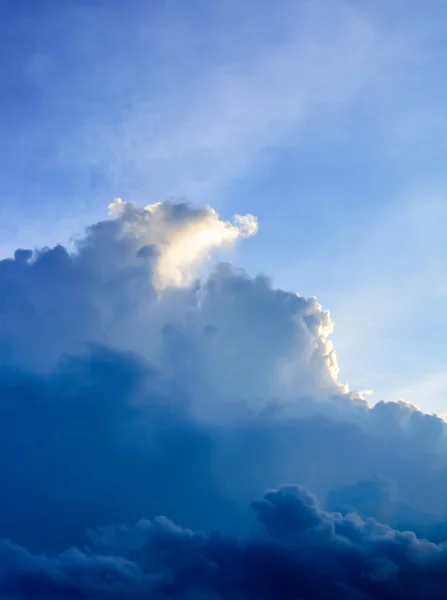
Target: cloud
(299,551)
(127,285)
(134,384)
(180,235)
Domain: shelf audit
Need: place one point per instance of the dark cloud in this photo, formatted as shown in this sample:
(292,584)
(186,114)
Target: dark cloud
(131,388)
(106,438)
(298,551)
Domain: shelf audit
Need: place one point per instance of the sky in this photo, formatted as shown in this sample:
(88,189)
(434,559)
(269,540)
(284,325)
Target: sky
(223,300)
(172,429)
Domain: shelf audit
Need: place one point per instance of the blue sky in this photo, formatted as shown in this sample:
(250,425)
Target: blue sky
(324,119)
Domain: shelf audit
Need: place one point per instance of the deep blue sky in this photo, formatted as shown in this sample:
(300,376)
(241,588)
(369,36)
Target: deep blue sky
(324,119)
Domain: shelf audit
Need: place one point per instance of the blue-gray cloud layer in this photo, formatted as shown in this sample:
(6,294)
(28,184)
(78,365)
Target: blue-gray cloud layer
(130,389)
(298,551)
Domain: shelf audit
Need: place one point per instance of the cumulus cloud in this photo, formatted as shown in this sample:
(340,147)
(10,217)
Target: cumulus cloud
(127,285)
(131,387)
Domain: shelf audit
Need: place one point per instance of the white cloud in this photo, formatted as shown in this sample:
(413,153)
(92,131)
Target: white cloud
(130,283)
(182,237)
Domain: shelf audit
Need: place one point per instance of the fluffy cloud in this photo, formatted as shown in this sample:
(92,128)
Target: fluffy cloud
(132,387)
(127,286)
(178,236)
(298,551)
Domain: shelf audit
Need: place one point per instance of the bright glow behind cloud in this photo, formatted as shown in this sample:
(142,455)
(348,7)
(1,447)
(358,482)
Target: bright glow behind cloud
(183,236)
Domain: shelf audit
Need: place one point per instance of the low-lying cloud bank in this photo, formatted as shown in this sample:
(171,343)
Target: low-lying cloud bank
(299,551)
(134,385)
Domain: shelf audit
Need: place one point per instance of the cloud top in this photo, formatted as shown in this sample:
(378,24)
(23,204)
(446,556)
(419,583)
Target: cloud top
(181,236)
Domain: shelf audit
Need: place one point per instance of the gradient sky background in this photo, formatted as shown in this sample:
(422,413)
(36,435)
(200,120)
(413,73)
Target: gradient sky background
(324,119)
